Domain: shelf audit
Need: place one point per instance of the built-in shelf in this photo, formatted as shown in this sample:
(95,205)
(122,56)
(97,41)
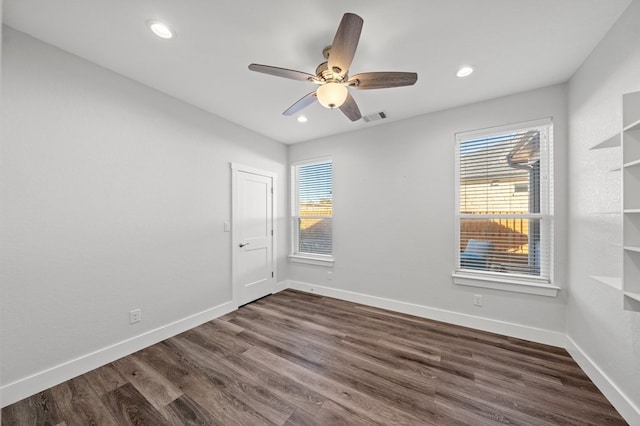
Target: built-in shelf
(613,282)
(632,163)
(632,295)
(633,126)
(630,142)
(612,142)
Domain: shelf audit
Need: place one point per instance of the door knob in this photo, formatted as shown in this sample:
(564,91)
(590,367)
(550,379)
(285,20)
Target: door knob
(243,244)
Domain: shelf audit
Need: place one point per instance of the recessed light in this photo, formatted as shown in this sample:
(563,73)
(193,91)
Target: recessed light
(465,71)
(161,29)
(302,119)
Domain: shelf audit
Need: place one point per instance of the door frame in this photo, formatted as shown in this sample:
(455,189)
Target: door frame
(235,170)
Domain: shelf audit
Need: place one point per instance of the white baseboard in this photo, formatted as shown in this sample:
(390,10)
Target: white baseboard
(616,397)
(282,285)
(533,334)
(15,391)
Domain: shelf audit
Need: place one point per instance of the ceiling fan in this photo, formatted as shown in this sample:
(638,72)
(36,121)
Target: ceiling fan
(331,76)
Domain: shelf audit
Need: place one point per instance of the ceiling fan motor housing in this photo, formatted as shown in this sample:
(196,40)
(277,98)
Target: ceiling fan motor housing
(326,75)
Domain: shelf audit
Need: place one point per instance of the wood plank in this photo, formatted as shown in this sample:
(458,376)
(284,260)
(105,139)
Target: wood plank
(105,379)
(364,405)
(40,409)
(185,411)
(147,380)
(129,406)
(329,414)
(288,390)
(209,390)
(208,394)
(79,404)
(256,399)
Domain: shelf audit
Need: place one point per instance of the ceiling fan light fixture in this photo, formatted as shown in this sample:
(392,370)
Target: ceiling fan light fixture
(161,29)
(332,95)
(465,71)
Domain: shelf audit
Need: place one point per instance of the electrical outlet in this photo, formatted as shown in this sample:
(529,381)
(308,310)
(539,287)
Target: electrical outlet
(330,275)
(477,300)
(135,316)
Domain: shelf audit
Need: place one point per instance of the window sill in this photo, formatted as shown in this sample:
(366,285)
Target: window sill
(505,284)
(327,261)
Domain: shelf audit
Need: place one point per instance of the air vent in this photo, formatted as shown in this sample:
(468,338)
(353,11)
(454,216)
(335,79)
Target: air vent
(375,116)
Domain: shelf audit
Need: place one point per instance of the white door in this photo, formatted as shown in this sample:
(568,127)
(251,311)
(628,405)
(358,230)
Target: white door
(253,257)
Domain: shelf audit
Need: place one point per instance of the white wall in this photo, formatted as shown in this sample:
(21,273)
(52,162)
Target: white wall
(394,218)
(113,198)
(601,331)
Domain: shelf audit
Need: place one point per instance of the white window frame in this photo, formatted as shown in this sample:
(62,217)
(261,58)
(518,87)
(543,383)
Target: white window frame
(302,257)
(506,281)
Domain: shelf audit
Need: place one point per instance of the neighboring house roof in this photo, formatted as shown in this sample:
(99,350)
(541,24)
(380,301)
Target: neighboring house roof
(506,159)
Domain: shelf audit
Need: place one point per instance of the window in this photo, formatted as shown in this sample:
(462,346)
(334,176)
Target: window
(312,211)
(504,204)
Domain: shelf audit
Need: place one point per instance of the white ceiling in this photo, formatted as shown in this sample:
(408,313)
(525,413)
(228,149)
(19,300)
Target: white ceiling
(515,45)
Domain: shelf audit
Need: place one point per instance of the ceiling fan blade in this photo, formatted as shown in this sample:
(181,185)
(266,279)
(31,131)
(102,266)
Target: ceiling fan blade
(350,108)
(304,102)
(345,43)
(381,80)
(282,72)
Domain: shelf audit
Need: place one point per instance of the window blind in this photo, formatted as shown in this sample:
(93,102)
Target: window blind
(504,202)
(313,208)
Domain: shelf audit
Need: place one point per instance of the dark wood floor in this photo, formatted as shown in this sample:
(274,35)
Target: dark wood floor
(299,359)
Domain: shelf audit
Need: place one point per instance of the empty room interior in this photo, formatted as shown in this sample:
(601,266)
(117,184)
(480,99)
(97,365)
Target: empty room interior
(420,212)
